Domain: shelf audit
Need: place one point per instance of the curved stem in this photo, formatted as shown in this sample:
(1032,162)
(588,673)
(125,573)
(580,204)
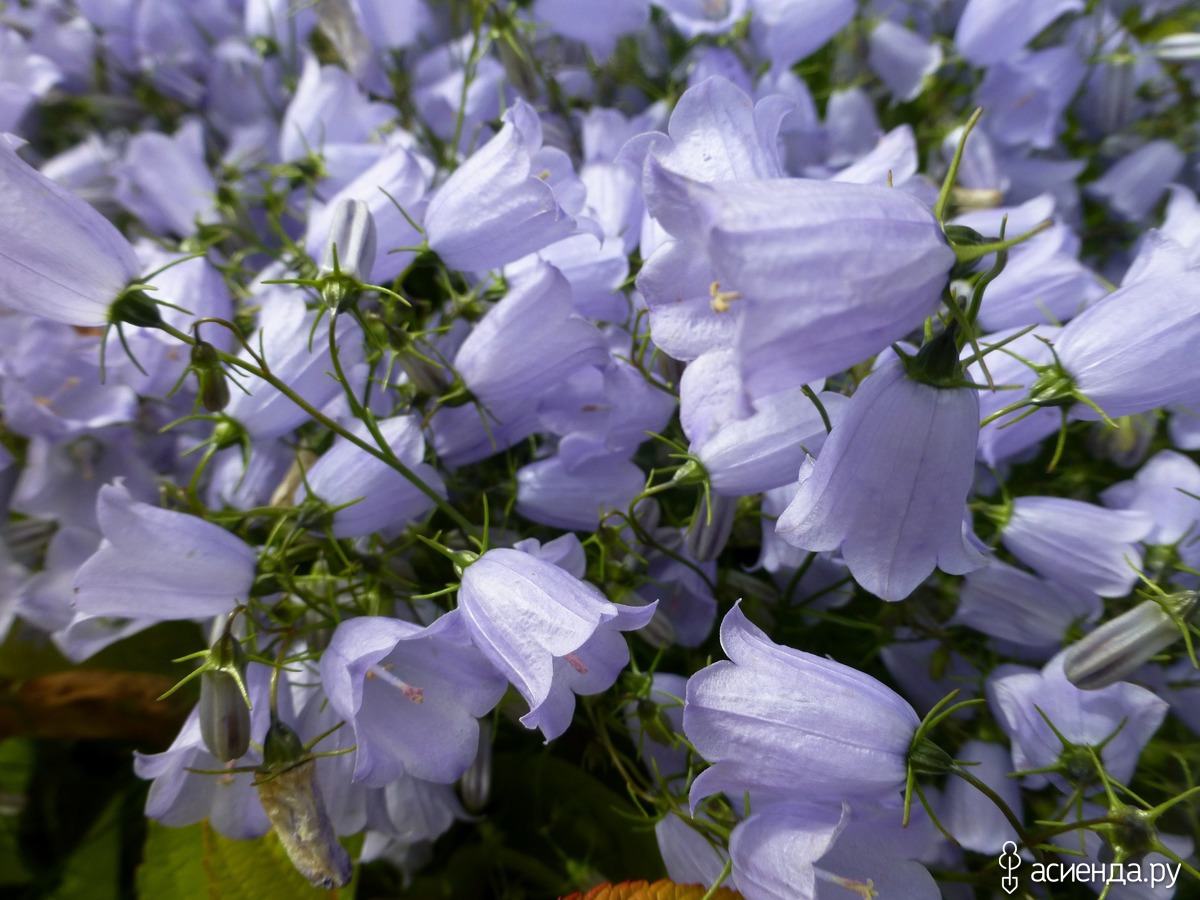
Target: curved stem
(387,458)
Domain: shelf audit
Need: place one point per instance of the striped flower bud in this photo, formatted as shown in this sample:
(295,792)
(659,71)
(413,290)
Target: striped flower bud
(349,252)
(224,702)
(1119,647)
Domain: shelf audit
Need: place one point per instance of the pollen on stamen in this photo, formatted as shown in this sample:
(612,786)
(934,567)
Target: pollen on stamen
(721,300)
(415,694)
(576,663)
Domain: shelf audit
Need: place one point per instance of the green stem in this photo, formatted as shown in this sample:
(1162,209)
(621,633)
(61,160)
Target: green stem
(388,458)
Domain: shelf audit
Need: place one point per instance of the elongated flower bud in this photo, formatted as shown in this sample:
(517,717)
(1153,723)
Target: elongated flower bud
(287,788)
(224,702)
(349,253)
(352,233)
(1116,649)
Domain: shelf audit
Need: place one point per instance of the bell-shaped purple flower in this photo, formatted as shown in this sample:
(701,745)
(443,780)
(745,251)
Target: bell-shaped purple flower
(160,564)
(551,634)
(596,26)
(781,723)
(1078,544)
(59,258)
(553,492)
(496,207)
(1135,184)
(991,31)
(165,181)
(381,497)
(891,484)
(413,695)
(1005,602)
(1166,488)
(902,58)
(786,31)
(1023,701)
(1118,350)
(829,273)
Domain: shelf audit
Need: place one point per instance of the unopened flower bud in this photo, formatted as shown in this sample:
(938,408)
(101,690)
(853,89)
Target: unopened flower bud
(1119,647)
(224,702)
(290,796)
(349,252)
(224,716)
(214,388)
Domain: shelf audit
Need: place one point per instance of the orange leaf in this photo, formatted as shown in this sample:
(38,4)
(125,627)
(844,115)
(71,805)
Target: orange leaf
(659,890)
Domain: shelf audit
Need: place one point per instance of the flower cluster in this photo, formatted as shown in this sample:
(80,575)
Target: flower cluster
(450,369)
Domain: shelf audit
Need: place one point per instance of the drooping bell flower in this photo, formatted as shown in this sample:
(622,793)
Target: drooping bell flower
(59,258)
(380,498)
(990,31)
(552,634)
(781,723)
(891,484)
(1077,544)
(828,273)
(161,564)
(1117,720)
(413,695)
(499,205)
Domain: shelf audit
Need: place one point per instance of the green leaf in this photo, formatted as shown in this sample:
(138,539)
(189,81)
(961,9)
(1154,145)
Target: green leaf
(197,863)
(92,872)
(16,766)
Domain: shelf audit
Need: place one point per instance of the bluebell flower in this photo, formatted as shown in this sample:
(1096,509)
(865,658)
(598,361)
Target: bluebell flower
(781,723)
(59,258)
(412,695)
(165,181)
(1023,700)
(1165,488)
(381,498)
(903,59)
(973,819)
(597,27)
(161,564)
(1078,544)
(496,207)
(786,31)
(992,31)
(891,484)
(550,633)
(1134,184)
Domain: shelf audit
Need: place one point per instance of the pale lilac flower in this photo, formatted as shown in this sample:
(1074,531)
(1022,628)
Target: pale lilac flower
(1166,488)
(597,26)
(1019,698)
(891,484)
(786,31)
(828,273)
(902,58)
(412,694)
(1116,350)
(284,330)
(166,182)
(1077,544)
(1133,186)
(973,819)
(554,492)
(59,258)
(1027,93)
(696,17)
(689,856)
(1007,603)
(781,723)
(992,31)
(551,634)
(500,205)
(381,498)
(161,564)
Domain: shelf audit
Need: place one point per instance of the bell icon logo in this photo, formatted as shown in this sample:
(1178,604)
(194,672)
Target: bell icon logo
(1009,861)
